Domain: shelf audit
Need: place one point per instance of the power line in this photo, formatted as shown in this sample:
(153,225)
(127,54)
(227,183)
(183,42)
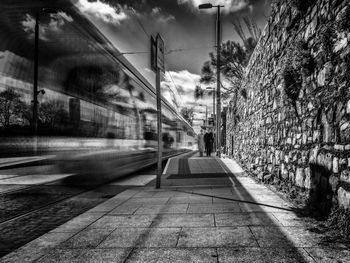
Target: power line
(139,22)
(133,52)
(174,85)
(167,53)
(185,49)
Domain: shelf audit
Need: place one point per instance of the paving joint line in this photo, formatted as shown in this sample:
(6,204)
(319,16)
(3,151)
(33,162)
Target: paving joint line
(237,200)
(256,240)
(178,237)
(129,254)
(310,255)
(217,255)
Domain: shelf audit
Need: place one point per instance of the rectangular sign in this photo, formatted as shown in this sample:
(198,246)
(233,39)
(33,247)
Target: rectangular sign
(160,53)
(211,121)
(153,54)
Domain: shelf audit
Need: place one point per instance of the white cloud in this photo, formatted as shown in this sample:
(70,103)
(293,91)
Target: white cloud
(103,11)
(230,6)
(28,23)
(183,94)
(55,23)
(156,10)
(157,14)
(179,86)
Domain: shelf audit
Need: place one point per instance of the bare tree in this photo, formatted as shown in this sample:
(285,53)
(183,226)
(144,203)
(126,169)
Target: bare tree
(187,113)
(234,57)
(52,113)
(11,107)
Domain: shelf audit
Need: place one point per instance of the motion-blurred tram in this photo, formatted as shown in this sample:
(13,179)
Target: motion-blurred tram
(96,113)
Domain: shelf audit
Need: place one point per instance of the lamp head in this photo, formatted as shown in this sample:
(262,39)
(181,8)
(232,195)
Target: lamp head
(49,10)
(205,6)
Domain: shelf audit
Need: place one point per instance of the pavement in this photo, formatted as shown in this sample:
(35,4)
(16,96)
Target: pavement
(207,210)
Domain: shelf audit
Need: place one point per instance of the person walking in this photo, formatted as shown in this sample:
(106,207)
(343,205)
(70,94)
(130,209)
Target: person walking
(200,141)
(209,139)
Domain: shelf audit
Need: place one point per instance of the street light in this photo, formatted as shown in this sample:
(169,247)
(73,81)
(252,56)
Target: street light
(206,113)
(218,94)
(36,67)
(212,89)
(214,120)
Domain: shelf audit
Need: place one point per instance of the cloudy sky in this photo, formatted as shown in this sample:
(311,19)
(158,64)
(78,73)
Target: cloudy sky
(189,34)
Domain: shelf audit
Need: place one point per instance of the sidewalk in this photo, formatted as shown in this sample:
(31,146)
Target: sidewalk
(207,210)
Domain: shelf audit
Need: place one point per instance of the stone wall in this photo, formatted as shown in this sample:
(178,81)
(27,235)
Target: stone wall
(294,125)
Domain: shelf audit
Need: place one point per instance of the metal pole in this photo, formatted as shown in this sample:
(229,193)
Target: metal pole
(214,121)
(218,94)
(159,126)
(35,84)
(206,115)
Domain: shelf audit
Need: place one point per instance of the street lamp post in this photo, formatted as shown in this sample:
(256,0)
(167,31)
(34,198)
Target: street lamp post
(206,113)
(213,90)
(218,92)
(215,121)
(36,69)
(35,83)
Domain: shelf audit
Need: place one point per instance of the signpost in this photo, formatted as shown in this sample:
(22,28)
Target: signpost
(157,65)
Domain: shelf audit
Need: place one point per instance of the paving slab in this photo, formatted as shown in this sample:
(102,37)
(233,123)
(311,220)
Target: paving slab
(289,219)
(246,219)
(216,237)
(169,194)
(329,255)
(112,222)
(177,255)
(142,237)
(162,209)
(150,193)
(213,208)
(78,223)
(285,236)
(86,255)
(260,207)
(125,209)
(184,220)
(263,255)
(147,200)
(88,238)
(190,200)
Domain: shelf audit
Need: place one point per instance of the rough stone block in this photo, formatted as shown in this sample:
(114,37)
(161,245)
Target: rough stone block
(328,161)
(308,182)
(342,163)
(284,172)
(299,177)
(335,165)
(267,177)
(334,181)
(291,176)
(321,77)
(313,155)
(316,136)
(345,176)
(339,147)
(344,198)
